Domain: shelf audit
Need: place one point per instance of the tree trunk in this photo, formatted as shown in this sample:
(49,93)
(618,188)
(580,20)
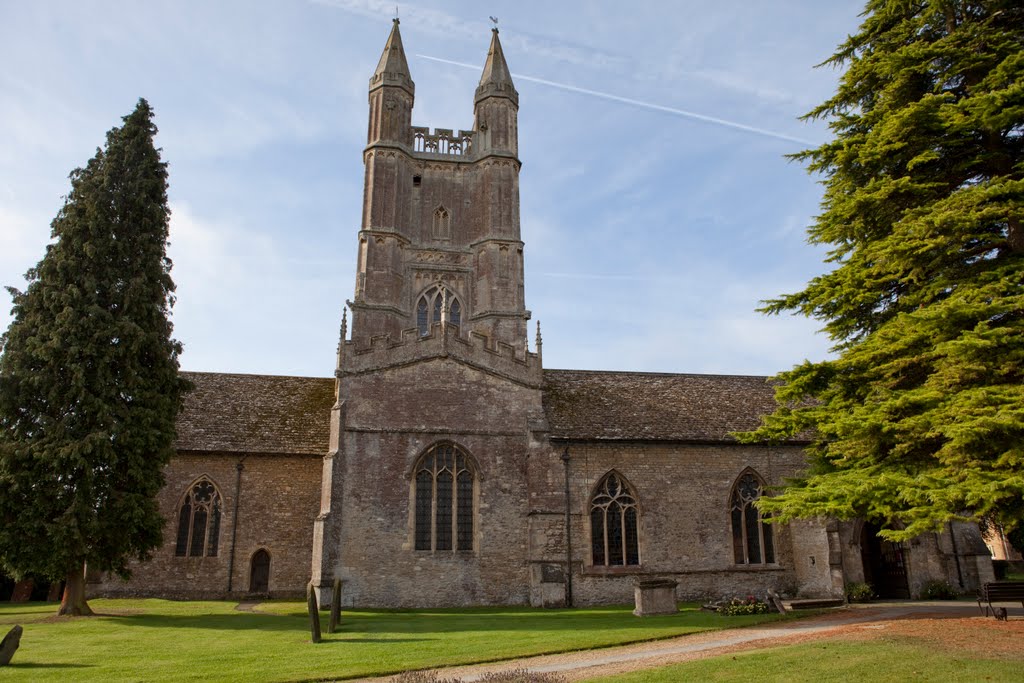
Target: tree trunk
(73,602)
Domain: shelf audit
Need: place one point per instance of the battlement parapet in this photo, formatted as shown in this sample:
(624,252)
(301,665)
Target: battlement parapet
(444,340)
(442,142)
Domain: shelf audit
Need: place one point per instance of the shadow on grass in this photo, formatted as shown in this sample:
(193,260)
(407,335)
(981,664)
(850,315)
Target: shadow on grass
(433,622)
(220,622)
(41,665)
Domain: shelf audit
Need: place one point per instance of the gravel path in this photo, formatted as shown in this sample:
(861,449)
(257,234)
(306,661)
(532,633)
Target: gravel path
(607,661)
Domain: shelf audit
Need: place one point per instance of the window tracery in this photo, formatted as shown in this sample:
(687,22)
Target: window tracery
(442,226)
(432,307)
(443,516)
(199,521)
(752,538)
(614,524)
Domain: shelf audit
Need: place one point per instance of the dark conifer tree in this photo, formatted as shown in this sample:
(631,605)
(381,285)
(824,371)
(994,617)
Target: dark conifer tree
(89,383)
(920,418)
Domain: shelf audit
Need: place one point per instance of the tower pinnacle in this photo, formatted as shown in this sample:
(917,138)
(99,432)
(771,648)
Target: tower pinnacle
(496,81)
(393,69)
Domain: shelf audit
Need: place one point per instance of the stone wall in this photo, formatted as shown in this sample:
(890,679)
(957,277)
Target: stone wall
(388,419)
(278,500)
(964,565)
(685,530)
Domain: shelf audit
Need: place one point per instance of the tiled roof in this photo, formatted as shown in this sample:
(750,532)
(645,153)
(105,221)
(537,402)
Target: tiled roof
(593,405)
(289,415)
(256,414)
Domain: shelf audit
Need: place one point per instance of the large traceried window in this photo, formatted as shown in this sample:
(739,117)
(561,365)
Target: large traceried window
(752,541)
(432,306)
(444,480)
(199,521)
(614,524)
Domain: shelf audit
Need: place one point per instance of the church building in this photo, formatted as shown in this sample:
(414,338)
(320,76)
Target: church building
(444,465)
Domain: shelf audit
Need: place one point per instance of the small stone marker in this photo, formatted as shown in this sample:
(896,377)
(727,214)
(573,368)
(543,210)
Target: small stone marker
(655,596)
(314,613)
(9,645)
(776,601)
(332,625)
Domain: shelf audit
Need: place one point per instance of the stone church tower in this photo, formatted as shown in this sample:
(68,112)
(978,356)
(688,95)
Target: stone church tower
(438,397)
(458,471)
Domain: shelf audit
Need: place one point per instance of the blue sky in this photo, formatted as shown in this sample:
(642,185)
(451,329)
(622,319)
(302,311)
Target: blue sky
(657,205)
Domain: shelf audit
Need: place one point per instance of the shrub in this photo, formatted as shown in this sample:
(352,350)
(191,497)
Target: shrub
(938,590)
(513,676)
(859,592)
(520,676)
(738,606)
(423,677)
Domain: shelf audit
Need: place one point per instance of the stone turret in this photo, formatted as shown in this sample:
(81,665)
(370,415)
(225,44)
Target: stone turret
(496,105)
(391,94)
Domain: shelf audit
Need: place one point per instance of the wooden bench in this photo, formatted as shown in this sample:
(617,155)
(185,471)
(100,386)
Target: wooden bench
(1000,591)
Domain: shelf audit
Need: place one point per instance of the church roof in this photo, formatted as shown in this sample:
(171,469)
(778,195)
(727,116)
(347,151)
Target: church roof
(639,406)
(256,414)
(290,415)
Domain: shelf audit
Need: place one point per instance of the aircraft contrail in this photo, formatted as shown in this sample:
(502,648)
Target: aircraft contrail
(638,103)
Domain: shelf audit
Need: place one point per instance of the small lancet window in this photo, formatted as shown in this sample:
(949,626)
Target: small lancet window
(199,521)
(443,518)
(432,306)
(503,265)
(752,541)
(614,524)
(442,229)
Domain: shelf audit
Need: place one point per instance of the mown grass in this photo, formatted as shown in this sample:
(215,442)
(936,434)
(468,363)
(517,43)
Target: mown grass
(876,661)
(160,640)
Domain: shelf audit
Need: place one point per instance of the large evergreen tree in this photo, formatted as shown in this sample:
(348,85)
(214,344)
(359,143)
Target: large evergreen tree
(89,384)
(920,418)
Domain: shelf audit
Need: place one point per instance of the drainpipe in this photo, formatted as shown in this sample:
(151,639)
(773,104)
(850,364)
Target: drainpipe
(568,533)
(234,521)
(956,557)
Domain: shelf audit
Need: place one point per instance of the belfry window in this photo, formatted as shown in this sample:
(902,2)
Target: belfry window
(442,226)
(444,481)
(432,306)
(199,521)
(614,540)
(752,541)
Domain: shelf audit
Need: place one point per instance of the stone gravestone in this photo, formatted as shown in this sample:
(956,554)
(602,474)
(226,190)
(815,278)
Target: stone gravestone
(776,601)
(332,625)
(655,596)
(314,613)
(9,644)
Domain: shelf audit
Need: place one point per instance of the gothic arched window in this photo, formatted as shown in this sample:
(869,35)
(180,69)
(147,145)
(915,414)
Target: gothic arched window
(444,479)
(199,521)
(442,228)
(751,537)
(432,305)
(614,522)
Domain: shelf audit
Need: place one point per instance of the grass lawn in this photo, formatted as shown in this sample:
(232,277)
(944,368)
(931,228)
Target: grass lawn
(876,661)
(174,641)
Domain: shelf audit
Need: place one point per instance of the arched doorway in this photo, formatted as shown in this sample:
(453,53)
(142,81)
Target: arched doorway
(885,566)
(259,572)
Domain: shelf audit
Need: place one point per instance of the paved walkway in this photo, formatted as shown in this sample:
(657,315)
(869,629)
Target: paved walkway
(589,663)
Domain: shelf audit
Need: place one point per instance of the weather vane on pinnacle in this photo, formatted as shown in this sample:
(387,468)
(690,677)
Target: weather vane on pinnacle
(494,20)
